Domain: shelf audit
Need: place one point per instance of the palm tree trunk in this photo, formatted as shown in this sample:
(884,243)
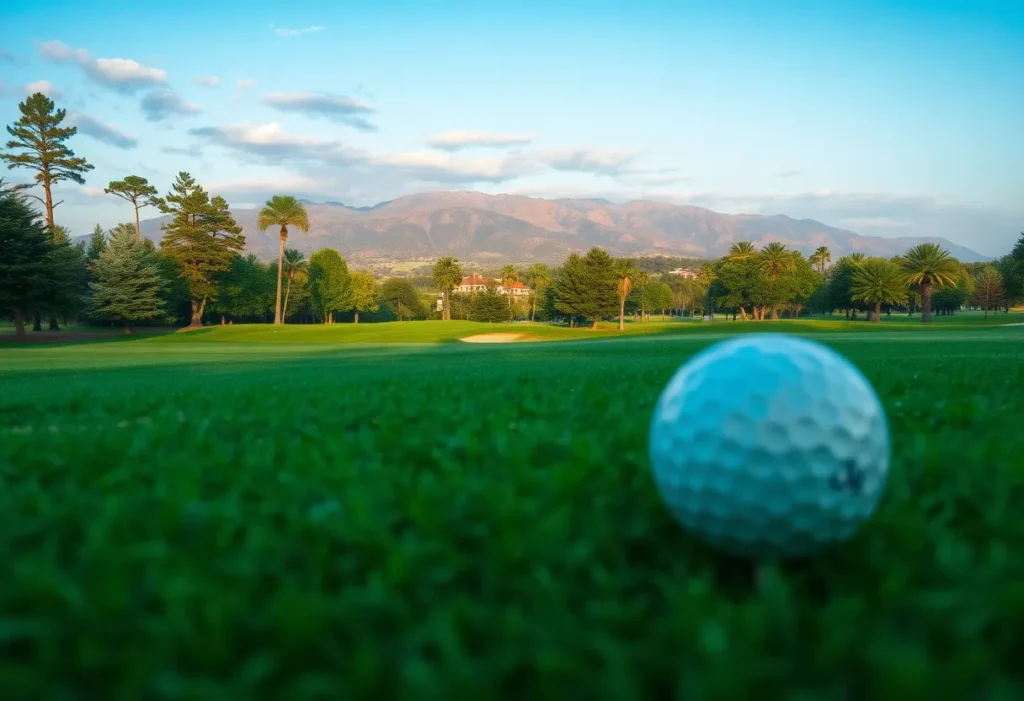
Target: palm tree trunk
(926,303)
(280,269)
(355,318)
(533,311)
(594,327)
(622,313)
(878,313)
(287,292)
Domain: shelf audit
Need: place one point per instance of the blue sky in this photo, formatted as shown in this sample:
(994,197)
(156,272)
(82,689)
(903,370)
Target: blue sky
(891,119)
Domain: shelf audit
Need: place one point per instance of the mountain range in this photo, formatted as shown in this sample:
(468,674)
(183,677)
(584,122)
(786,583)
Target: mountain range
(474,226)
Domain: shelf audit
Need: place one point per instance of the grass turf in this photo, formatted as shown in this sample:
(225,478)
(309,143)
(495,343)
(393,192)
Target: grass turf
(225,514)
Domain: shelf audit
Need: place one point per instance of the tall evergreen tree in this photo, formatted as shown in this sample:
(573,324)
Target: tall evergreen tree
(97,242)
(25,258)
(489,305)
(136,190)
(202,239)
(68,279)
(127,284)
(587,286)
(39,137)
(329,283)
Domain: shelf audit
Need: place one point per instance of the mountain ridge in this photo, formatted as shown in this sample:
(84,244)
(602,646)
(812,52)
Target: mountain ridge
(475,226)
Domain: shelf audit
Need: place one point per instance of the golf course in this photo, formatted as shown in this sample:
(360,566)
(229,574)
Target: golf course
(384,511)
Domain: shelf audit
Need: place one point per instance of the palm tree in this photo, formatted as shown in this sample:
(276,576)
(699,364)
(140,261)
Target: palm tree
(776,261)
(296,267)
(705,277)
(625,271)
(878,281)
(821,258)
(741,250)
(508,275)
(282,211)
(927,265)
(447,276)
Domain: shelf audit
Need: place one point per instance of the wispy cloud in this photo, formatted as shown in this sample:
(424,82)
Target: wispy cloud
(598,161)
(45,87)
(159,106)
(285,32)
(245,83)
(786,174)
(457,140)
(337,108)
(106,133)
(121,74)
(208,81)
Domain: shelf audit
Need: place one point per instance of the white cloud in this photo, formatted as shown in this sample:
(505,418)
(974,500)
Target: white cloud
(45,87)
(101,132)
(245,83)
(272,142)
(89,191)
(337,108)
(208,81)
(285,32)
(122,74)
(162,105)
(456,140)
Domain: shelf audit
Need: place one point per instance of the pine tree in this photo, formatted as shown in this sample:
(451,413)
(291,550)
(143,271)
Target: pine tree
(69,277)
(40,137)
(137,191)
(25,258)
(127,283)
(588,286)
(97,242)
(490,305)
(202,239)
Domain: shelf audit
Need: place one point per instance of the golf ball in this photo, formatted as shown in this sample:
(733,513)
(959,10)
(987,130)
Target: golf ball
(770,446)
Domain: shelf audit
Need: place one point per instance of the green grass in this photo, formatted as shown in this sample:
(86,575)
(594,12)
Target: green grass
(259,513)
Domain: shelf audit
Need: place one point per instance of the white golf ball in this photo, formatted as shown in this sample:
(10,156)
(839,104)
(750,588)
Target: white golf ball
(770,446)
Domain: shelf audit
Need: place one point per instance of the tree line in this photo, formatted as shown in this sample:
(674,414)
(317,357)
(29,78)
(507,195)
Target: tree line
(199,271)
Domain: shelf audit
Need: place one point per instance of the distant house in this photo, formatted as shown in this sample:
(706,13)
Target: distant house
(478,283)
(685,273)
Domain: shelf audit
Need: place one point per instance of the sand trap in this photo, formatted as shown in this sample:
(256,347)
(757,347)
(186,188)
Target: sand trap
(495,338)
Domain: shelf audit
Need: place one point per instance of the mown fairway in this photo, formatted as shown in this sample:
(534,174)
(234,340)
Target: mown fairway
(269,513)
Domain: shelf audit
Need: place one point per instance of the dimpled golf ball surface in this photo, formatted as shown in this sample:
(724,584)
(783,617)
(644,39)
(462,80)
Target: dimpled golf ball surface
(770,446)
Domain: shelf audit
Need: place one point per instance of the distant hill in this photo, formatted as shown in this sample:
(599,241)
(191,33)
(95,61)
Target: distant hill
(473,226)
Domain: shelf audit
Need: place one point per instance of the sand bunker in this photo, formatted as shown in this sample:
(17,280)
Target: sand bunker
(495,338)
